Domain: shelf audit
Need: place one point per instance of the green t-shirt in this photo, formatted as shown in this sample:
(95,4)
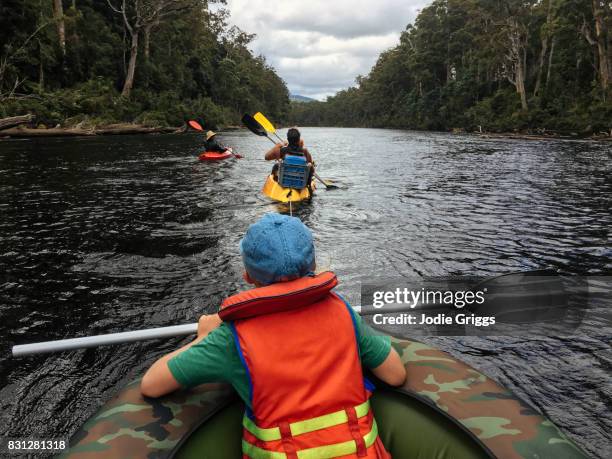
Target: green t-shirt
(216,359)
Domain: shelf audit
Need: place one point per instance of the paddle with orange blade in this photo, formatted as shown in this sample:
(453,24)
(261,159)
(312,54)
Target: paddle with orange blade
(195,125)
(198,127)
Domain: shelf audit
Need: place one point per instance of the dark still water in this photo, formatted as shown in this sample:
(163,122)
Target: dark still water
(116,233)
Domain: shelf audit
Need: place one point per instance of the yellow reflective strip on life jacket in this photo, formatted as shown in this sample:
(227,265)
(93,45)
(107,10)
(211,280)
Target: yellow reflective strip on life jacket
(319,423)
(319,452)
(254,452)
(270,434)
(338,449)
(372,435)
(306,426)
(363,409)
(327,420)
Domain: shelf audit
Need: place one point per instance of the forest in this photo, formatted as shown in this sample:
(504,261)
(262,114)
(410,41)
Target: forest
(151,62)
(534,66)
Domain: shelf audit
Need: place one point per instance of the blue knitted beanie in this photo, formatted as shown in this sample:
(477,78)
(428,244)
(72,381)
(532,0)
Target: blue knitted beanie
(277,248)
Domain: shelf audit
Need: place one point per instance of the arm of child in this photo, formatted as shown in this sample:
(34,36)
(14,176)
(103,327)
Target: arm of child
(378,355)
(392,370)
(158,380)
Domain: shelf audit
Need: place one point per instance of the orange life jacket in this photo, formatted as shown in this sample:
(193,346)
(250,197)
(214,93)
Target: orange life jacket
(297,341)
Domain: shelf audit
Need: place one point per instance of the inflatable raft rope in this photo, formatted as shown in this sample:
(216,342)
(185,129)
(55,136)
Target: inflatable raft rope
(445,410)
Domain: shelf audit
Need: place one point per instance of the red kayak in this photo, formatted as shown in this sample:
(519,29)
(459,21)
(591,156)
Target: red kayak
(214,155)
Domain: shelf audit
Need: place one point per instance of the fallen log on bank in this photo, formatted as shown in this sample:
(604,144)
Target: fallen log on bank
(115,129)
(6,123)
(121,129)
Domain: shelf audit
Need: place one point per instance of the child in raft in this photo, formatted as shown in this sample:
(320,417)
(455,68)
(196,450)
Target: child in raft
(294,353)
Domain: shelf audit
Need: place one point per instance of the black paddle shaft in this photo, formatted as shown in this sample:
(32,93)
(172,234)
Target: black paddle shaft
(253,125)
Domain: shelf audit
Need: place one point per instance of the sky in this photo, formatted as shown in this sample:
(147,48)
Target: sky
(320,46)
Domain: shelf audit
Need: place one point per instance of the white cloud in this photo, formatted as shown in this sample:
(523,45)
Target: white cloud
(319,46)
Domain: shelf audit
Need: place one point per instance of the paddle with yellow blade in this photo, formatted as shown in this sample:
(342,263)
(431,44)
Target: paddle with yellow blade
(269,127)
(198,127)
(266,124)
(253,125)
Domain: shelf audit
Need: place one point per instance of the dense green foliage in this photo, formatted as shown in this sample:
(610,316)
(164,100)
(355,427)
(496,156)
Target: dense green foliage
(192,64)
(499,65)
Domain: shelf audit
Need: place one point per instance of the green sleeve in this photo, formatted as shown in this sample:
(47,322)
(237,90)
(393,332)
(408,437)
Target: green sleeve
(214,359)
(373,347)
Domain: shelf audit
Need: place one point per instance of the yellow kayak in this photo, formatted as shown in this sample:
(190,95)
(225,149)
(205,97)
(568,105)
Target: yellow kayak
(274,191)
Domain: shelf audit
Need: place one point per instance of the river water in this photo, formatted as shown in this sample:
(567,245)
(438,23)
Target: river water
(108,234)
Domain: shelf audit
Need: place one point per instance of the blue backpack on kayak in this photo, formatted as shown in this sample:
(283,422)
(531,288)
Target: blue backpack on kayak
(293,172)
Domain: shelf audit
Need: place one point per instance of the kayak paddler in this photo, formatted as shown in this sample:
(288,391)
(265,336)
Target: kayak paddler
(294,352)
(293,146)
(211,143)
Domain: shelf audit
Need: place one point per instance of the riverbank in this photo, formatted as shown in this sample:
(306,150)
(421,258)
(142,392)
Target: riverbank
(526,136)
(22,128)
(549,135)
(111,129)
(134,128)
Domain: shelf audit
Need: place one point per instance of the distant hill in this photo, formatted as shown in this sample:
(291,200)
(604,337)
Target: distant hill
(298,98)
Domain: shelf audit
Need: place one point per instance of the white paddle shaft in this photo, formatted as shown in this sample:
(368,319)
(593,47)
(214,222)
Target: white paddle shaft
(101,340)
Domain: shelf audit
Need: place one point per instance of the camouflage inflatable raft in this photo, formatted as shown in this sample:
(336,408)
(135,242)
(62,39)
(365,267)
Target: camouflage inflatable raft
(445,410)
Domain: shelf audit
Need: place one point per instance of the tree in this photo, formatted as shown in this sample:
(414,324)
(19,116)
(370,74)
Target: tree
(58,12)
(192,65)
(23,27)
(516,58)
(141,16)
(475,64)
(601,11)
(546,34)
